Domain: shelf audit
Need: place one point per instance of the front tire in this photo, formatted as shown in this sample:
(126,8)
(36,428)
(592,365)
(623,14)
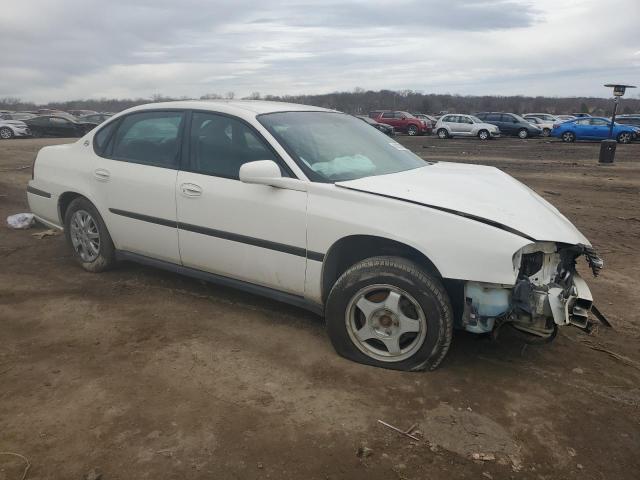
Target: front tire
(523,133)
(388,312)
(546,132)
(6,133)
(88,236)
(442,133)
(483,135)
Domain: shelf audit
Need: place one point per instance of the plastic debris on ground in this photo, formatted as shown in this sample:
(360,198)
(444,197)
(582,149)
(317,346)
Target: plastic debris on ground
(21,221)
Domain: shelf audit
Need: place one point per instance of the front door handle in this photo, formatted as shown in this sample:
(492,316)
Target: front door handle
(191,190)
(101,174)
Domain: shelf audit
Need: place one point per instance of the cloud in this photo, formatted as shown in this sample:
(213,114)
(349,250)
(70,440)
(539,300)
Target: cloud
(92,48)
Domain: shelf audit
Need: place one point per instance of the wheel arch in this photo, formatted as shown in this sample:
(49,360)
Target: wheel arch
(65,199)
(352,249)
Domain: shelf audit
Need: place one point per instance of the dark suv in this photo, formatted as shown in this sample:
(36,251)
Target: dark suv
(404,122)
(510,124)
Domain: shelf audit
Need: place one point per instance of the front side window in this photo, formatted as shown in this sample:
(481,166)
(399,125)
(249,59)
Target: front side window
(220,145)
(333,147)
(494,117)
(151,138)
(599,122)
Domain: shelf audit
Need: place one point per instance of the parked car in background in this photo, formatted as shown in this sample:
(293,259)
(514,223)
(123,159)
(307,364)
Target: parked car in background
(13,128)
(510,124)
(16,116)
(580,115)
(404,122)
(82,113)
(96,118)
(312,207)
(428,119)
(458,125)
(56,126)
(633,120)
(542,116)
(386,129)
(545,125)
(563,118)
(593,128)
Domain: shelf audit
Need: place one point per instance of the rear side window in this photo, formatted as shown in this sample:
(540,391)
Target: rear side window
(493,117)
(450,119)
(151,138)
(220,145)
(388,115)
(102,137)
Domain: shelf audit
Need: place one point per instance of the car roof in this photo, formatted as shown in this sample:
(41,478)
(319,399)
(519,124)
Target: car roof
(241,108)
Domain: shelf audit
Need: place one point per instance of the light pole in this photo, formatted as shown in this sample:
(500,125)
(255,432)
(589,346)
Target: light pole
(608,147)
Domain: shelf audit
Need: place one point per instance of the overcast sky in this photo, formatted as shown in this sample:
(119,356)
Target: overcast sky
(70,49)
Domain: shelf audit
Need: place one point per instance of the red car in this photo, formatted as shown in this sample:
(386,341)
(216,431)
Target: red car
(404,122)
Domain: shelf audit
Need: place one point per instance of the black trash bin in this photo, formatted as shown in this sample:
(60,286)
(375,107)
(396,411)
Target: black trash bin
(608,151)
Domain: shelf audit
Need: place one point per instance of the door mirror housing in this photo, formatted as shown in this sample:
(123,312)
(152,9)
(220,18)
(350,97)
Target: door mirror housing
(267,172)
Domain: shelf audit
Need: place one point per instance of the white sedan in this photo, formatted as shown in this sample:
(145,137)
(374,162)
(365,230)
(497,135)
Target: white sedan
(315,208)
(13,128)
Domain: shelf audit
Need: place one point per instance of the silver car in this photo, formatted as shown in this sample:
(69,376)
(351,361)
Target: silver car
(13,128)
(465,126)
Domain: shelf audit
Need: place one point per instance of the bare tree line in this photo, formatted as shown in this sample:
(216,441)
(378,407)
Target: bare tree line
(360,101)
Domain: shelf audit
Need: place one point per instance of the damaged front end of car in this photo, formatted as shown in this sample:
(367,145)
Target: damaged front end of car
(548,293)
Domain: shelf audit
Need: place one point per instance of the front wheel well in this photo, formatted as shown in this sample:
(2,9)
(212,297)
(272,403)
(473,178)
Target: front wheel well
(352,249)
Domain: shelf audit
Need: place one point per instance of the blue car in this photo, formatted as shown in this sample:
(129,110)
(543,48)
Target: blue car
(593,128)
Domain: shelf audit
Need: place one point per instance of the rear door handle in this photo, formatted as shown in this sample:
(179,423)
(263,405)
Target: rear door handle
(101,174)
(191,190)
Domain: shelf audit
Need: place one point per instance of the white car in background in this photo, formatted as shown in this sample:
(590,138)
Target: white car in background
(13,128)
(544,125)
(458,125)
(316,208)
(547,117)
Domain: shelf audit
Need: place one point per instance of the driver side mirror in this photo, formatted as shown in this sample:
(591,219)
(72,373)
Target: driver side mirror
(267,172)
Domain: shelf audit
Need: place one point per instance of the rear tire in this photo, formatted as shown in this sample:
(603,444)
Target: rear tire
(568,137)
(388,312)
(625,137)
(88,236)
(442,133)
(6,133)
(523,133)
(484,135)
(546,132)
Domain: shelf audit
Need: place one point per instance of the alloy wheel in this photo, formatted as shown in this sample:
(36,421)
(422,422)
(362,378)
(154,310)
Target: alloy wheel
(624,137)
(386,323)
(6,133)
(85,236)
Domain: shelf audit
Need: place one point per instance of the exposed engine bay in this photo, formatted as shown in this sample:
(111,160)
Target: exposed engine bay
(548,293)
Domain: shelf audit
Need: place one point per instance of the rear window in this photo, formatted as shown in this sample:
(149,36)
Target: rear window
(151,138)
(102,137)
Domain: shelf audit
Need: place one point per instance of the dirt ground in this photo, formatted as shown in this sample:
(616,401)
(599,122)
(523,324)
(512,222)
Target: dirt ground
(138,373)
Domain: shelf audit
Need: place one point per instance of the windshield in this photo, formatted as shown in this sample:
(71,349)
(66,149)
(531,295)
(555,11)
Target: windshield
(333,147)
(475,119)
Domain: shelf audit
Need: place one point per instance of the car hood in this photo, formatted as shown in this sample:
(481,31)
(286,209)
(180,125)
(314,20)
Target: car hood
(488,126)
(481,193)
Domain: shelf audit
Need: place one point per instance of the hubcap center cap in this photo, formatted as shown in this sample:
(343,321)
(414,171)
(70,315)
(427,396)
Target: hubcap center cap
(384,322)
